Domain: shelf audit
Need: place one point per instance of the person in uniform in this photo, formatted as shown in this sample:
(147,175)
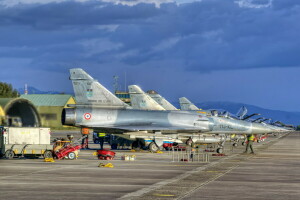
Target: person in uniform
(250,139)
(101,137)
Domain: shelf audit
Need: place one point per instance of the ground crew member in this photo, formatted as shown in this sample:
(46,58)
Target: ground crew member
(101,137)
(85,141)
(250,139)
(193,151)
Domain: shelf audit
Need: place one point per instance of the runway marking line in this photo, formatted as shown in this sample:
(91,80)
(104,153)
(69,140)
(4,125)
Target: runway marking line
(213,171)
(164,195)
(139,193)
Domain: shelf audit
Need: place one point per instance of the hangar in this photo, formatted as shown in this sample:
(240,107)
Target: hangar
(18,112)
(49,107)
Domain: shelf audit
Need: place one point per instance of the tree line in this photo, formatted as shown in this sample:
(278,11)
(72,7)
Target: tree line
(7,91)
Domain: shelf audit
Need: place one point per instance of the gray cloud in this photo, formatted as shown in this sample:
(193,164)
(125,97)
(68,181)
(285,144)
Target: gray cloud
(202,36)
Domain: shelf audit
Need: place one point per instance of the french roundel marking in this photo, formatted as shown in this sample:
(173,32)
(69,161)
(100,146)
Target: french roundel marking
(87,116)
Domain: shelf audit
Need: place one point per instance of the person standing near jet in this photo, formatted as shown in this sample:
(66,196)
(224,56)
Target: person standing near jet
(101,137)
(250,139)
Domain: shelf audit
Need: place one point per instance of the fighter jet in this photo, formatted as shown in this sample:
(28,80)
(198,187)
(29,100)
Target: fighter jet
(185,104)
(98,108)
(277,126)
(142,101)
(161,100)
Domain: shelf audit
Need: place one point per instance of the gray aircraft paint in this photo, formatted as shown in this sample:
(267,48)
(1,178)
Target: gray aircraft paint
(138,97)
(142,101)
(242,112)
(185,104)
(161,100)
(102,109)
(90,92)
(188,105)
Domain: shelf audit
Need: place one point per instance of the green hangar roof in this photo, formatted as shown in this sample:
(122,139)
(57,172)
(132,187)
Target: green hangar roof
(48,99)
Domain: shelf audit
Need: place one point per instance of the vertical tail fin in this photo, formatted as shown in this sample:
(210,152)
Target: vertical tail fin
(242,112)
(160,100)
(90,91)
(142,101)
(185,104)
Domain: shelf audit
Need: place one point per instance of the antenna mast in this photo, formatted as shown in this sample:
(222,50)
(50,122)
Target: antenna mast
(116,83)
(125,87)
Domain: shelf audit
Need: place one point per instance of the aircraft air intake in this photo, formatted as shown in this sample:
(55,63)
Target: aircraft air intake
(68,117)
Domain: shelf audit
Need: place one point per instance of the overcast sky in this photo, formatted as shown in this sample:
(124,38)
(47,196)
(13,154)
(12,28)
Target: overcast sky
(244,51)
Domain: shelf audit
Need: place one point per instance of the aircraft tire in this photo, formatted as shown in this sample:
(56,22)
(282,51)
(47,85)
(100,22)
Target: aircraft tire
(9,154)
(220,150)
(235,144)
(153,147)
(244,143)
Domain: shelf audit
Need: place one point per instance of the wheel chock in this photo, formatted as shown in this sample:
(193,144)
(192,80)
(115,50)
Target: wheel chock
(159,151)
(95,153)
(132,150)
(109,165)
(49,160)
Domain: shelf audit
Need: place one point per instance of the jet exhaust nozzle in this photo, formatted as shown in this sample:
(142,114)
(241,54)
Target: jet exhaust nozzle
(68,117)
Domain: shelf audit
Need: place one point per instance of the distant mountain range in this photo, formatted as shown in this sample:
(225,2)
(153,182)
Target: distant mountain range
(283,116)
(33,90)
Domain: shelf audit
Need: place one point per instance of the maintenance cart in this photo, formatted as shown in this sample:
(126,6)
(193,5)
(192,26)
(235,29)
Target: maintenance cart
(25,141)
(67,148)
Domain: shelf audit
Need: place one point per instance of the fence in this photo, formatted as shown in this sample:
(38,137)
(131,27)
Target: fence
(188,155)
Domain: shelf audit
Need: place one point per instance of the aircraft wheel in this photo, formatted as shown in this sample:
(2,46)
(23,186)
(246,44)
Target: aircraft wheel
(258,141)
(244,143)
(9,154)
(235,144)
(153,147)
(220,150)
(71,155)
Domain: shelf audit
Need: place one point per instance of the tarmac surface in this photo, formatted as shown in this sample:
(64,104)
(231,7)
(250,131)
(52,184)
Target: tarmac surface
(273,173)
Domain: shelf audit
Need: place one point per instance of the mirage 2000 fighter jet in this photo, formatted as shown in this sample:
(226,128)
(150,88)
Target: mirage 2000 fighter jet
(98,108)
(153,101)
